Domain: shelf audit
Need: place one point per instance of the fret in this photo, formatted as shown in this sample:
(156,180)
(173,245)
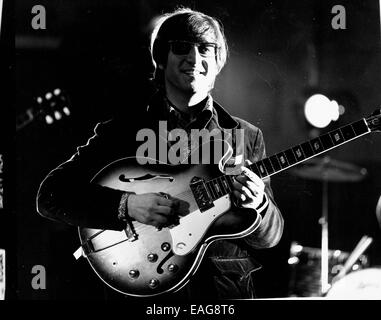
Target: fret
(282,160)
(348,132)
(275,163)
(255,169)
(316,145)
(262,169)
(360,127)
(211,190)
(269,167)
(307,149)
(298,153)
(230,180)
(326,141)
(337,137)
(290,156)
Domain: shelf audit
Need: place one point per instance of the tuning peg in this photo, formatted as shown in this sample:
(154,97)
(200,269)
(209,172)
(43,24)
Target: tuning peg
(39,100)
(49,119)
(66,111)
(48,95)
(57,91)
(57,115)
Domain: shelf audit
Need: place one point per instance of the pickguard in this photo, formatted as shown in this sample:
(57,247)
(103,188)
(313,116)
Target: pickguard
(192,227)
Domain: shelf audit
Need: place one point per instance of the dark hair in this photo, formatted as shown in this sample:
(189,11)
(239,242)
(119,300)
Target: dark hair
(185,24)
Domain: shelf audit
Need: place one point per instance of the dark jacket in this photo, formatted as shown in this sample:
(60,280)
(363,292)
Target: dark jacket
(67,195)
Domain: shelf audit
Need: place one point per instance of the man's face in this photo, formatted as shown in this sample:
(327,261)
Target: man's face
(191,67)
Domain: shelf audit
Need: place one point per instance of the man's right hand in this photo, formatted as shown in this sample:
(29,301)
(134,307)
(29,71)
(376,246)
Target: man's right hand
(151,208)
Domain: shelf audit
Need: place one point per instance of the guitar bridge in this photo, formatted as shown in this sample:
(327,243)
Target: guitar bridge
(201,194)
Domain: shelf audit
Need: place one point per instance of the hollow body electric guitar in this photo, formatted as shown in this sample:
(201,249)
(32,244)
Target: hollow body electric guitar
(149,261)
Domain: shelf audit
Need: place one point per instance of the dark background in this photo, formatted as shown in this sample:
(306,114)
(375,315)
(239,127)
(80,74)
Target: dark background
(279,52)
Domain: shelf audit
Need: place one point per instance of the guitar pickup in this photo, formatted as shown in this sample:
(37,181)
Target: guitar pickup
(201,194)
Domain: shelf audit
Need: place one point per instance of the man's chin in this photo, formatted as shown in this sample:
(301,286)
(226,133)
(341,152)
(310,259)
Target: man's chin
(195,87)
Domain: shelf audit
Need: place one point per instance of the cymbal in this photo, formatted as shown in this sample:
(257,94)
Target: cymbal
(358,285)
(327,169)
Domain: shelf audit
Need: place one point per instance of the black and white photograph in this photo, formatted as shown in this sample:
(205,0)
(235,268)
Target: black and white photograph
(187,157)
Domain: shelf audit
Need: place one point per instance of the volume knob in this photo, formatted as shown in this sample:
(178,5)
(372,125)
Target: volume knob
(153,283)
(152,257)
(172,267)
(133,273)
(165,246)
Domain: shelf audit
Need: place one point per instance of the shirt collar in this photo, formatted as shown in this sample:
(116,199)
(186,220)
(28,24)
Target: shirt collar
(158,109)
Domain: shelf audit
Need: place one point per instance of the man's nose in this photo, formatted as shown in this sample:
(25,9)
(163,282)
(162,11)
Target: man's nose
(193,55)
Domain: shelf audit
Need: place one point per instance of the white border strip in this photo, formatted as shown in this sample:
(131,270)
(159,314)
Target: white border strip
(1,12)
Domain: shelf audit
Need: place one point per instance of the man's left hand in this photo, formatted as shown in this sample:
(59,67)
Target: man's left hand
(249,189)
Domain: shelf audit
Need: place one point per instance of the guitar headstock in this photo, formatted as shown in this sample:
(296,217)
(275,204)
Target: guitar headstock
(374,120)
(53,106)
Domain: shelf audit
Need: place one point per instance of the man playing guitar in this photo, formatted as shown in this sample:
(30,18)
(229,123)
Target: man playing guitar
(189,50)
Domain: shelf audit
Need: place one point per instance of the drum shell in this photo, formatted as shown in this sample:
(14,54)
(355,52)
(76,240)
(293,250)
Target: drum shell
(305,269)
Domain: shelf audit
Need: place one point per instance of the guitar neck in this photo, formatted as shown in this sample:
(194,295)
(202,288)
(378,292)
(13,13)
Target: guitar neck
(309,149)
(276,163)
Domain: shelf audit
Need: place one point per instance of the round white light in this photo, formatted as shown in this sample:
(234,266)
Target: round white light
(320,111)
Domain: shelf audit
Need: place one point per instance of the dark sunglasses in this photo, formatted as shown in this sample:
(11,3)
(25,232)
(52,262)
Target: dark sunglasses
(206,49)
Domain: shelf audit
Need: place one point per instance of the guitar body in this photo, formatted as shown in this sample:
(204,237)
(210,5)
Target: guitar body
(159,261)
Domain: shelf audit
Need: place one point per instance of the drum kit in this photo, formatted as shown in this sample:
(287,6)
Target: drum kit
(332,274)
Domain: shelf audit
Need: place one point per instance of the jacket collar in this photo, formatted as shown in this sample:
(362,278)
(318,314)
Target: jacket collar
(223,119)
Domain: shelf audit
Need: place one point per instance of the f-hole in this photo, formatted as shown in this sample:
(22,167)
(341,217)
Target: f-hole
(159,268)
(146,177)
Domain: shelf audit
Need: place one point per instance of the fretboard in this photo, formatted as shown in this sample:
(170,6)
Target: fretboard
(276,163)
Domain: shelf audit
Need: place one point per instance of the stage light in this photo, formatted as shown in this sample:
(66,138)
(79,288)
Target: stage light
(337,253)
(320,111)
(293,260)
